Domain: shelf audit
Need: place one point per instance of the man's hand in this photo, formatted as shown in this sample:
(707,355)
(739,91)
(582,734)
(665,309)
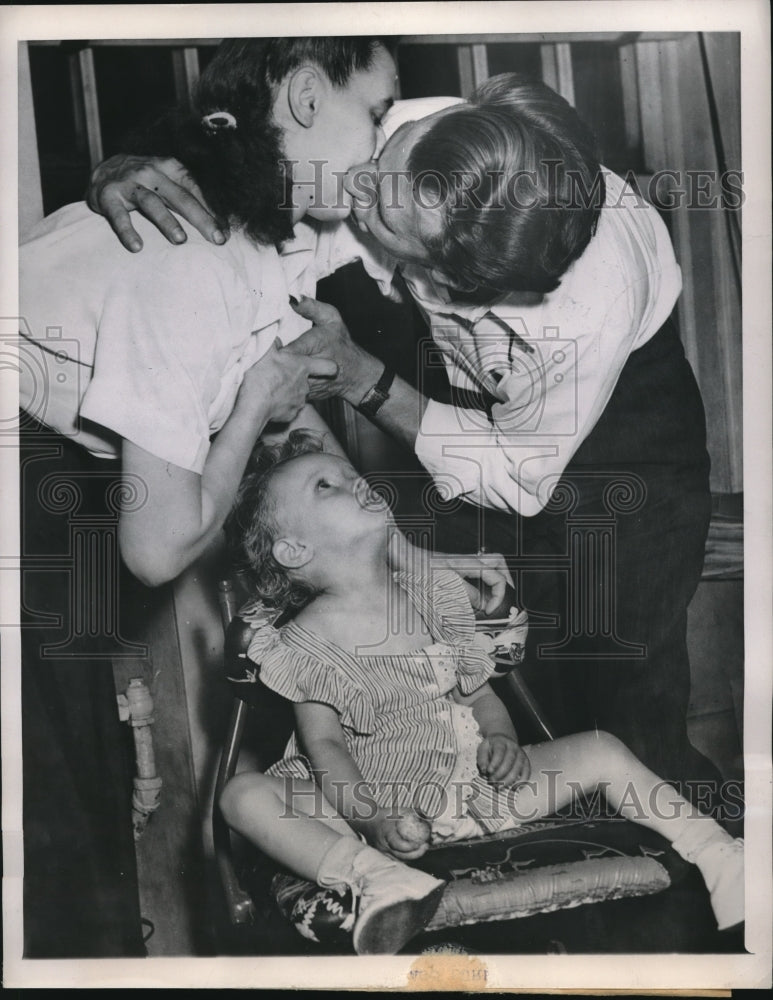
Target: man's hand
(501,761)
(405,837)
(155,187)
(329,337)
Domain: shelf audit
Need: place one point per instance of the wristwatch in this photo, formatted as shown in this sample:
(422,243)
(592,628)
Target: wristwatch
(378,394)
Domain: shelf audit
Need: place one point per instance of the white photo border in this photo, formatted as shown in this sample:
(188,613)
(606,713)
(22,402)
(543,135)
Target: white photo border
(642,973)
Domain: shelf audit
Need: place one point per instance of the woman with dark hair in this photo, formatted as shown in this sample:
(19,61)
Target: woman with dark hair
(173,347)
(145,382)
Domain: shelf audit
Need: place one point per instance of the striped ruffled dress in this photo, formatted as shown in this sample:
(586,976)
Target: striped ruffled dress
(414,745)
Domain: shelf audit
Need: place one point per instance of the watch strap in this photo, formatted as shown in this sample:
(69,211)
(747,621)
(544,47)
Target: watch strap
(378,394)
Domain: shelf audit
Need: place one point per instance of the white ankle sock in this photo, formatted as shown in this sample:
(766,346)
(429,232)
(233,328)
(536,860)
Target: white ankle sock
(336,869)
(720,859)
(698,833)
(722,867)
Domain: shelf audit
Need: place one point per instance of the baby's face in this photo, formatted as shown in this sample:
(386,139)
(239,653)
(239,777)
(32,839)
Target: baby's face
(322,500)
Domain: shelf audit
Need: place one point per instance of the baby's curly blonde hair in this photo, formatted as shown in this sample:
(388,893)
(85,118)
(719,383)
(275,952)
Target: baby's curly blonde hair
(251,528)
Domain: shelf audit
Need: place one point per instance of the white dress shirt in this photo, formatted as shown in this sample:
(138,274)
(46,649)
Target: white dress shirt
(552,364)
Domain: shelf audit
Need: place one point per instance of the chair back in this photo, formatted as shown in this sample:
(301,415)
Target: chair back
(270,715)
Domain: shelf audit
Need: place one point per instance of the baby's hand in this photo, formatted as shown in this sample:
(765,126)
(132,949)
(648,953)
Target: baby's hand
(413,829)
(502,762)
(405,836)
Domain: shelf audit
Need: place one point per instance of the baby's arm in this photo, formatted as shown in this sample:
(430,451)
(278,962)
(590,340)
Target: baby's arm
(321,736)
(500,758)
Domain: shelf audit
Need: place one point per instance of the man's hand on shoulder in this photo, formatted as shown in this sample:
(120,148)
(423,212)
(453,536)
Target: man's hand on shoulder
(156,187)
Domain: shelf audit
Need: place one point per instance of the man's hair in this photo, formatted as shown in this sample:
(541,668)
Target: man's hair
(239,169)
(251,527)
(518,177)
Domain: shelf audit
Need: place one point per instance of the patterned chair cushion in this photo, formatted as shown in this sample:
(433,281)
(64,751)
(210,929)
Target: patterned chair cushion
(550,865)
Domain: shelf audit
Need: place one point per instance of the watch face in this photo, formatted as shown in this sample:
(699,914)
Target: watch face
(372,400)
(378,394)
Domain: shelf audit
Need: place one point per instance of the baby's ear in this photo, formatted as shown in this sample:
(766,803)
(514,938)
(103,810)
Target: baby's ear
(292,553)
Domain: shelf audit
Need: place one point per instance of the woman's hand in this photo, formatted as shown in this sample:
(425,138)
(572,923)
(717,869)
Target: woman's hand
(501,761)
(330,338)
(183,510)
(277,385)
(405,837)
(155,187)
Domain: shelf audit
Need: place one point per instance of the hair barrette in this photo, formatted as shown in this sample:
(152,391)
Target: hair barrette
(217,120)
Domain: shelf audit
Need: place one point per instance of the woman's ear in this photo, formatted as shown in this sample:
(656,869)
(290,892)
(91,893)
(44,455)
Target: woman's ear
(304,94)
(292,553)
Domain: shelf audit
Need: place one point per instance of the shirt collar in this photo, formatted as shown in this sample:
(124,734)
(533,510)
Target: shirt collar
(304,239)
(414,110)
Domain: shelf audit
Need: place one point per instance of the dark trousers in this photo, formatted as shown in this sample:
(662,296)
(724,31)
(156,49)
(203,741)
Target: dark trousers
(80,878)
(608,568)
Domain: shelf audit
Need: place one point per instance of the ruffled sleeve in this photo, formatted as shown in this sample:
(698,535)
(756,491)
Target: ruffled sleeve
(476,650)
(299,677)
(441,599)
(475,664)
(444,599)
(264,639)
(451,606)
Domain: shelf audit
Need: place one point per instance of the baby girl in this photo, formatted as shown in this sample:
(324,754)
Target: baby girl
(400,741)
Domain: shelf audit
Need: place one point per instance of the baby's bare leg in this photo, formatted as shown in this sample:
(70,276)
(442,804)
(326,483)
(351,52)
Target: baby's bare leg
(289,819)
(590,761)
(293,823)
(585,762)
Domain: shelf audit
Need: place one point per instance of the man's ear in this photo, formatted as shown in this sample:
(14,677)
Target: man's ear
(292,553)
(304,94)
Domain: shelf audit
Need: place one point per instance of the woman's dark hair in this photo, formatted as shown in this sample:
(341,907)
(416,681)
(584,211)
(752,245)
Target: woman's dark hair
(517,175)
(251,528)
(239,168)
